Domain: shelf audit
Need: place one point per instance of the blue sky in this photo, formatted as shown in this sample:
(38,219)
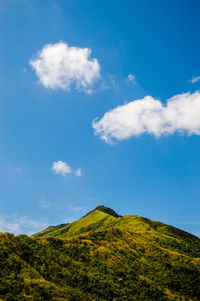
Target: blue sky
(56,160)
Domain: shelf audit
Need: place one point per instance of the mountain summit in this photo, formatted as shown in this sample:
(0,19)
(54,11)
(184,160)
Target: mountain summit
(100,217)
(107,210)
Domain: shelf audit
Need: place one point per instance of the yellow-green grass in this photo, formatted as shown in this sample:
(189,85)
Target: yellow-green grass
(95,220)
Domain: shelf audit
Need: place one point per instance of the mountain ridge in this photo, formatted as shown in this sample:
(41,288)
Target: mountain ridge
(101,219)
(93,220)
(101,257)
(96,220)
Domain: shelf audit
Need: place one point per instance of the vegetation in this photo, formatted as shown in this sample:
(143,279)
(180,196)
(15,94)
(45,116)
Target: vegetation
(92,221)
(107,210)
(101,257)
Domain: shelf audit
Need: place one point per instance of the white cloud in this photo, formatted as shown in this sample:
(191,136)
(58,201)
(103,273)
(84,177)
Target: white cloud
(131,78)
(61,167)
(77,208)
(14,170)
(78,172)
(61,66)
(194,79)
(45,204)
(19,225)
(17,170)
(148,115)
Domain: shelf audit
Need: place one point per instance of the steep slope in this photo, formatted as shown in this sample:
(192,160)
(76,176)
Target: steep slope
(101,216)
(20,277)
(49,230)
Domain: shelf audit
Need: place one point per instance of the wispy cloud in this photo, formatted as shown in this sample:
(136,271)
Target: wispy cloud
(78,172)
(78,208)
(44,204)
(14,170)
(148,115)
(61,66)
(17,169)
(19,225)
(195,79)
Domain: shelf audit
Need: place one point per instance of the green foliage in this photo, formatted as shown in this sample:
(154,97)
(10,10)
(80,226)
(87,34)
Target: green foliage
(102,258)
(107,210)
(93,221)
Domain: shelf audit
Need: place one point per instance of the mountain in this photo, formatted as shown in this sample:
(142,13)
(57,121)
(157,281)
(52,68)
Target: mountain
(100,217)
(102,256)
(107,210)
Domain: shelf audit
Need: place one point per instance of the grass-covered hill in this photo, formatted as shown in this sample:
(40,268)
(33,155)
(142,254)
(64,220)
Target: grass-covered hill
(100,217)
(102,256)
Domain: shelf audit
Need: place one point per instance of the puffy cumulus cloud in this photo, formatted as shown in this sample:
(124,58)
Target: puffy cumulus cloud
(61,66)
(148,115)
(61,167)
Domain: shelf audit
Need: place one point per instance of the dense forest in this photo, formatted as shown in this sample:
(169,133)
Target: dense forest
(102,256)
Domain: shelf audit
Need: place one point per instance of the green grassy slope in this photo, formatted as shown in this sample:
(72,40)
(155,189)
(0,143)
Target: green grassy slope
(102,257)
(92,221)
(160,233)
(49,230)
(152,231)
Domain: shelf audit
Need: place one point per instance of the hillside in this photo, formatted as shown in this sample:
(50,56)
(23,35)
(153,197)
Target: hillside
(100,217)
(102,256)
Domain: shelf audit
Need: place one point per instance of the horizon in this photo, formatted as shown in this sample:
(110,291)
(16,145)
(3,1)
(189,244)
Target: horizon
(100,104)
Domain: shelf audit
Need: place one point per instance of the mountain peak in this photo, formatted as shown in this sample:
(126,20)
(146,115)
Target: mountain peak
(107,210)
(104,209)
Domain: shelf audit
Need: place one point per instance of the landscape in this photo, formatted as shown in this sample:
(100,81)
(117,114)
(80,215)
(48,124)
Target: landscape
(99,150)
(102,256)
